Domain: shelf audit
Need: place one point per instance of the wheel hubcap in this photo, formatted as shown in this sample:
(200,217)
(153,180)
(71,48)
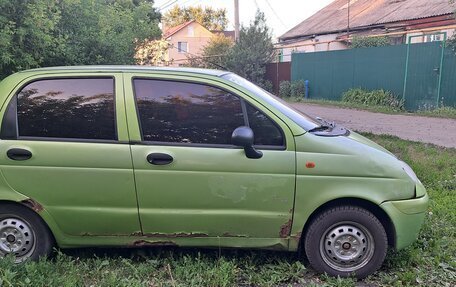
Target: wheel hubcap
(347,247)
(16,237)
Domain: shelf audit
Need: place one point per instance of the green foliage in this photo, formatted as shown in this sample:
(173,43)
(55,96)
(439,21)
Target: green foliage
(212,19)
(452,42)
(295,89)
(214,54)
(285,89)
(249,56)
(372,98)
(36,33)
(367,42)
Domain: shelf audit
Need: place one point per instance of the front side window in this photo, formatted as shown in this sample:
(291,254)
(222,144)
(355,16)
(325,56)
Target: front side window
(265,130)
(178,112)
(67,108)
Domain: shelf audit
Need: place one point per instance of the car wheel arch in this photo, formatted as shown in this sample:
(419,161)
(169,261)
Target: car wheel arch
(30,205)
(379,213)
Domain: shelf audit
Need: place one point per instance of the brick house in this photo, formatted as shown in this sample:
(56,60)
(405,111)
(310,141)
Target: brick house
(333,27)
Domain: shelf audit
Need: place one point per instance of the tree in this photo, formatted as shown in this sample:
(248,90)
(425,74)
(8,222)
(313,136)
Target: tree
(37,33)
(214,54)
(367,42)
(106,31)
(152,53)
(210,18)
(452,40)
(28,34)
(249,56)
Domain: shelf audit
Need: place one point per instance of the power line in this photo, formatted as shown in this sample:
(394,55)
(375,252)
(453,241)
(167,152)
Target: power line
(275,13)
(256,4)
(201,57)
(167,5)
(164,4)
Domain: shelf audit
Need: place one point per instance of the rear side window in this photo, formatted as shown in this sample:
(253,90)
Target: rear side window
(178,112)
(67,108)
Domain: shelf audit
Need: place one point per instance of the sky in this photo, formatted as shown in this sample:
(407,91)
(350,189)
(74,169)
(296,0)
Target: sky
(281,15)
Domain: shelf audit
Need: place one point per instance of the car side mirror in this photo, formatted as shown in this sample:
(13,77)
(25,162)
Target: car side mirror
(244,137)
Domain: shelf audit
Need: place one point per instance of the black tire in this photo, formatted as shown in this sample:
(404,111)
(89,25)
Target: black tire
(33,239)
(346,241)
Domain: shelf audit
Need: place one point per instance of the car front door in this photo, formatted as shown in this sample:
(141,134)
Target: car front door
(191,181)
(64,144)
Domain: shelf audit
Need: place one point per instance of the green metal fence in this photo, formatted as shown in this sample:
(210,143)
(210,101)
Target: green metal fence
(424,74)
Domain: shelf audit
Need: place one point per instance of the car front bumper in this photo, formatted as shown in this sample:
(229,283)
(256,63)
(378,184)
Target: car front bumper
(407,217)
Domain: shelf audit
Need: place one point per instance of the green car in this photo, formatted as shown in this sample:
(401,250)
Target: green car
(135,156)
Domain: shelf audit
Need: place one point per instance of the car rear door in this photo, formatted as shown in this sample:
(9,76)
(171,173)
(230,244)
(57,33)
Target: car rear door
(191,181)
(64,144)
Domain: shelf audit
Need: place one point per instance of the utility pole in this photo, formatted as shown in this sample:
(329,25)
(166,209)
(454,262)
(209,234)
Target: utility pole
(348,19)
(236,20)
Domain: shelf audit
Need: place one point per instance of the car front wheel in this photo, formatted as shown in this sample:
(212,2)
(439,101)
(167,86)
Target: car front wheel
(346,241)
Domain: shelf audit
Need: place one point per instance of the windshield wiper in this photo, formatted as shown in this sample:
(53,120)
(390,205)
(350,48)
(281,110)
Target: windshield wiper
(320,128)
(325,125)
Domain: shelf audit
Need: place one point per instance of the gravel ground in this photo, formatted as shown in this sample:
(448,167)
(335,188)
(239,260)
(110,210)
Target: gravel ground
(438,131)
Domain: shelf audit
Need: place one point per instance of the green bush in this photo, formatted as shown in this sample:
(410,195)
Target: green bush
(372,98)
(268,86)
(297,89)
(293,89)
(285,89)
(368,42)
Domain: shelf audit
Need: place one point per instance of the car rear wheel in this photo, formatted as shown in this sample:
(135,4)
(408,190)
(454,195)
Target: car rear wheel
(346,241)
(23,234)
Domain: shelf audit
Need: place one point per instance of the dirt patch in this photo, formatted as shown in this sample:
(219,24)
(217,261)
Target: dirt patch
(438,131)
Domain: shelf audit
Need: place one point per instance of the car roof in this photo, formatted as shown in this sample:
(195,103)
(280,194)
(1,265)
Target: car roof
(126,68)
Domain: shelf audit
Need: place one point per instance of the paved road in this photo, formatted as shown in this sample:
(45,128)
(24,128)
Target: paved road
(438,131)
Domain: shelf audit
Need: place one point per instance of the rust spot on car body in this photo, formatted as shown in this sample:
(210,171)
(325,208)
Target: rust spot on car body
(296,236)
(32,204)
(141,243)
(227,234)
(285,229)
(277,246)
(175,235)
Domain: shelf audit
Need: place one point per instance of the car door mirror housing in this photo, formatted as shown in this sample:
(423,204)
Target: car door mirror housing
(244,137)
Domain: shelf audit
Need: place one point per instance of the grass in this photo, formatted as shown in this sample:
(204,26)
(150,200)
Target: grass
(444,112)
(431,261)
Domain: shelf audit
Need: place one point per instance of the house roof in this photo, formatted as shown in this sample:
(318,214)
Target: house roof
(173,30)
(364,13)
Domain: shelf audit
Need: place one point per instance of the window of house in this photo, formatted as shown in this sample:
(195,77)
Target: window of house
(67,108)
(191,31)
(182,47)
(433,38)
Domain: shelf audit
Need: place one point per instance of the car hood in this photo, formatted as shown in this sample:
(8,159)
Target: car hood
(359,138)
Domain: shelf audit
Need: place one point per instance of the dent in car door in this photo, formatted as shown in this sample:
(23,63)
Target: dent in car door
(77,168)
(207,187)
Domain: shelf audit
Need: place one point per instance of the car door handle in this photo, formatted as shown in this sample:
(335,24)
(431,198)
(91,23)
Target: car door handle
(159,158)
(19,154)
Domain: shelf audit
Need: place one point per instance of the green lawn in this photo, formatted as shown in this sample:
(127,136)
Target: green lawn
(431,261)
(445,112)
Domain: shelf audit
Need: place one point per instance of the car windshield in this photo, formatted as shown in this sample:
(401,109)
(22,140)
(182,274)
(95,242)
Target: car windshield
(303,120)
